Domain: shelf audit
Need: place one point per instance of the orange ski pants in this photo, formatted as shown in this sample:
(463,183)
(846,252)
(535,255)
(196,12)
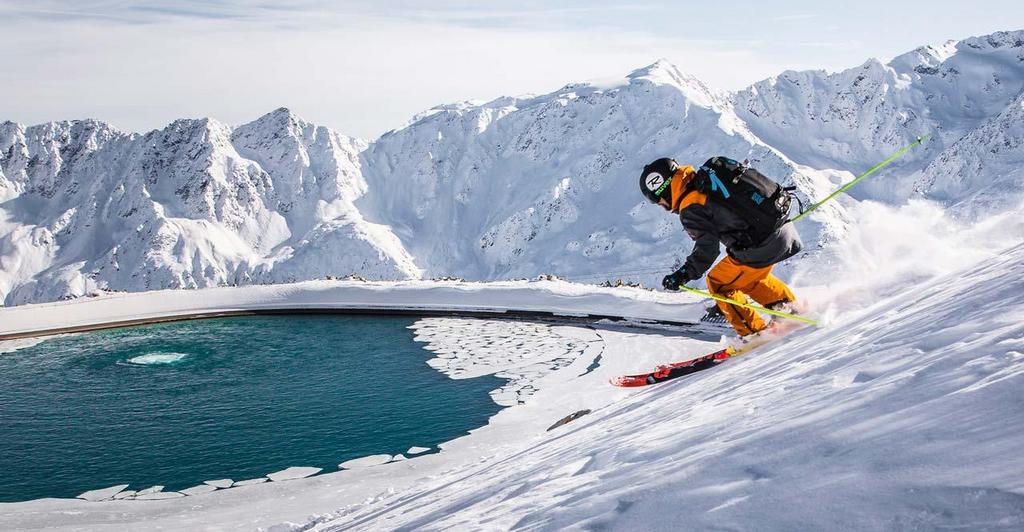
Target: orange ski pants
(736,281)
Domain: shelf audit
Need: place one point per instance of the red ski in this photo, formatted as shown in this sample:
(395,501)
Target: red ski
(679,369)
(672,371)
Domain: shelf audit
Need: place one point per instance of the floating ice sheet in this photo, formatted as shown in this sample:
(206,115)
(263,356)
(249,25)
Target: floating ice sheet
(366,461)
(103,494)
(293,473)
(151,489)
(220,483)
(521,351)
(250,482)
(159,495)
(200,489)
(417,450)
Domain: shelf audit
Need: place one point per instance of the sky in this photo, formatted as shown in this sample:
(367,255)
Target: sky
(363,67)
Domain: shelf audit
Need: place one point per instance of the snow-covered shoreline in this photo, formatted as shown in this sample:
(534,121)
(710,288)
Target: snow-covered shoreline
(497,298)
(530,389)
(899,415)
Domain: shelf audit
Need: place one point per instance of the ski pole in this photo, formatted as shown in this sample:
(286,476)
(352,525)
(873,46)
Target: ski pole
(752,307)
(873,169)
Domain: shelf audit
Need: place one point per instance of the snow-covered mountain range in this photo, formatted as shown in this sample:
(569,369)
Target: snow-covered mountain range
(508,188)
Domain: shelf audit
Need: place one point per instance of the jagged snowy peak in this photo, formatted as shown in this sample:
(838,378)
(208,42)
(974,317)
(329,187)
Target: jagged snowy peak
(181,208)
(663,72)
(306,161)
(548,183)
(507,188)
(316,174)
(39,159)
(171,208)
(854,118)
(983,172)
(192,171)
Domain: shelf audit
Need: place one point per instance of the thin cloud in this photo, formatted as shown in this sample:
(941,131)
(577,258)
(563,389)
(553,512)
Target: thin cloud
(190,12)
(134,12)
(256,10)
(789,18)
(455,15)
(59,15)
(362,67)
(832,45)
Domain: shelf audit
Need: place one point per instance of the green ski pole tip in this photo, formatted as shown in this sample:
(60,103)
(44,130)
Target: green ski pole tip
(871,171)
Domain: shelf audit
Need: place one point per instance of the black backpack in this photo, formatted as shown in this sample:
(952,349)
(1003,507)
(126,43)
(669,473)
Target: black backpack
(751,195)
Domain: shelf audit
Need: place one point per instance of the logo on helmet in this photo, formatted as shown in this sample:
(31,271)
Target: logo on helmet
(654,181)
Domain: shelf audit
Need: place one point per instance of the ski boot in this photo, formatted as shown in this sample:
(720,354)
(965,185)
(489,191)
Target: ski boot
(713,314)
(788,307)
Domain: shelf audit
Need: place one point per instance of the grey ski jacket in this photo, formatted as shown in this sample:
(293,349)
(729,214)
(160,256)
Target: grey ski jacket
(710,224)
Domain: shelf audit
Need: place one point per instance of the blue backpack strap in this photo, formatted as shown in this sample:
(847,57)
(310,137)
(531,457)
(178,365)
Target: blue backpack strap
(716,183)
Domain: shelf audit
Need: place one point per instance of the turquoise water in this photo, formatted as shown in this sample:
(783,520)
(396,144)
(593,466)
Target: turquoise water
(180,403)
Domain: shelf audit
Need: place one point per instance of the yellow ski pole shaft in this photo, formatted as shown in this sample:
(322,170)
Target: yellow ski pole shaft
(873,169)
(752,307)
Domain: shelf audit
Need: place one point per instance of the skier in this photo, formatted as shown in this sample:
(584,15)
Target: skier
(725,201)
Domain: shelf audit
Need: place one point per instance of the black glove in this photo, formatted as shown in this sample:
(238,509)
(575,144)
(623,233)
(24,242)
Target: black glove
(674,280)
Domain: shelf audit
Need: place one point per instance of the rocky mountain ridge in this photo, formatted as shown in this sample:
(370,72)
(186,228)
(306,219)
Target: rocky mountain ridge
(508,188)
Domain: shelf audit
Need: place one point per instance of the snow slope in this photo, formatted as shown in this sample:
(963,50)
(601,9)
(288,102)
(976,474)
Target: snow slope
(902,416)
(899,415)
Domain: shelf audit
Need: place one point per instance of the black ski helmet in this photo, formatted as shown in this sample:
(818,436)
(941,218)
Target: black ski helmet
(656,178)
